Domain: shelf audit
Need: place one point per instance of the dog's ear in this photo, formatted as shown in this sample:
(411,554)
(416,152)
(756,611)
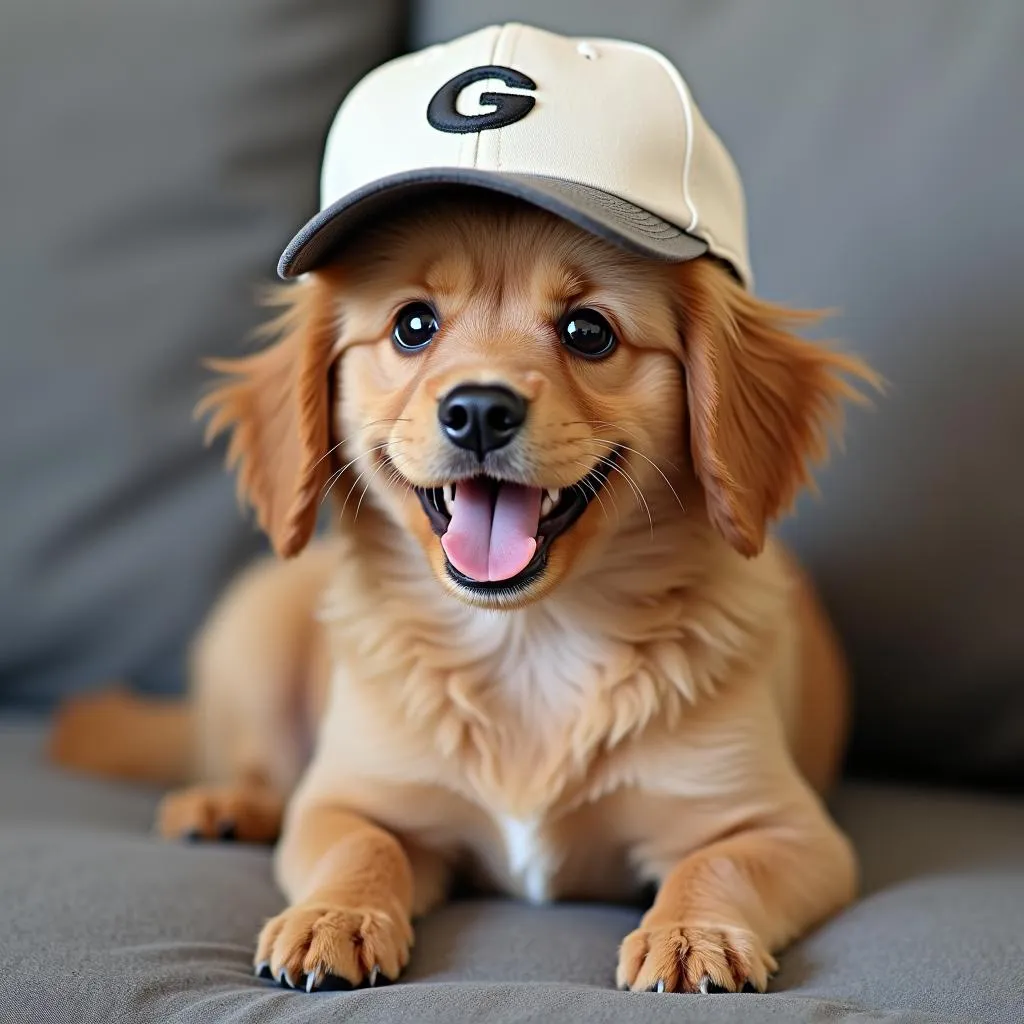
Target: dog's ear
(761,401)
(276,404)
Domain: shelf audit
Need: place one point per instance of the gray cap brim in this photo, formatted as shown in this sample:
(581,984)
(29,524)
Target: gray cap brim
(596,212)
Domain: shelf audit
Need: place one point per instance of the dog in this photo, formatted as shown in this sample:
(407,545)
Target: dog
(550,646)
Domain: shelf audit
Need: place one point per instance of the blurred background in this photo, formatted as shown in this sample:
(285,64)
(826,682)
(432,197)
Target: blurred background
(155,158)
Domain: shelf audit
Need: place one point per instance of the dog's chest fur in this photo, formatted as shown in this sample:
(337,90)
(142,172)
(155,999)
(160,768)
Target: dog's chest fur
(506,732)
(496,737)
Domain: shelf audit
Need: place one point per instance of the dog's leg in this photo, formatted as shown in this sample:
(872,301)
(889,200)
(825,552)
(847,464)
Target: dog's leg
(259,670)
(722,911)
(431,878)
(352,887)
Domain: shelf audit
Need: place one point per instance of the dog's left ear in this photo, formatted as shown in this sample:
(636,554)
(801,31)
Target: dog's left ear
(761,401)
(276,403)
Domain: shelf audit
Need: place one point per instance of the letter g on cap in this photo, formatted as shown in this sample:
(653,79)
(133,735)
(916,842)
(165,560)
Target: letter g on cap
(509,107)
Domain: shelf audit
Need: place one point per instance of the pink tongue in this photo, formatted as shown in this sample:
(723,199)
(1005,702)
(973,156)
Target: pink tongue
(492,542)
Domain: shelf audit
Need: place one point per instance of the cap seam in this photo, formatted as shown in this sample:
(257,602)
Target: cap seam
(494,56)
(684,97)
(515,30)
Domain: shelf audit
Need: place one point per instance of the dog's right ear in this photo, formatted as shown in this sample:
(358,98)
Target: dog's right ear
(276,404)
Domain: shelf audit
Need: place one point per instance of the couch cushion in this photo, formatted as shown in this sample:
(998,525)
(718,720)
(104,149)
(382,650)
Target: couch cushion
(156,158)
(103,922)
(881,149)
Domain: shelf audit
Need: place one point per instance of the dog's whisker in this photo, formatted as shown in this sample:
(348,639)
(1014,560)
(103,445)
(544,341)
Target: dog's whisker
(609,447)
(637,493)
(600,425)
(348,493)
(366,426)
(388,419)
(640,495)
(658,470)
(594,491)
(395,477)
(330,451)
(603,424)
(336,475)
(394,446)
(366,488)
(329,485)
(654,465)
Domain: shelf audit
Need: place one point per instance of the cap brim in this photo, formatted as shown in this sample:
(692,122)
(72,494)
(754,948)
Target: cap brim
(594,211)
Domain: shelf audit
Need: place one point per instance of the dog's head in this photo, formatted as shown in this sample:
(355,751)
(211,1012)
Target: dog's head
(518,395)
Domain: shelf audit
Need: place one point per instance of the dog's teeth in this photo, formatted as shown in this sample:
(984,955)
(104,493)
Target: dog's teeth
(549,501)
(447,497)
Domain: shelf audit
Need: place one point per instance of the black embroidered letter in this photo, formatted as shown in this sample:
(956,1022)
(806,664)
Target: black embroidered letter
(509,107)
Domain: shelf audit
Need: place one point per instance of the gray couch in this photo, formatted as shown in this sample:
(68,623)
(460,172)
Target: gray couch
(153,160)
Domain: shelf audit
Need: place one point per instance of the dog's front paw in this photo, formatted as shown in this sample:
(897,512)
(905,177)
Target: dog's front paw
(309,944)
(678,958)
(234,811)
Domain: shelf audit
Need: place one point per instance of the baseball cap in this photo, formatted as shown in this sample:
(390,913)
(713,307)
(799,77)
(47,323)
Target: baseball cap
(602,133)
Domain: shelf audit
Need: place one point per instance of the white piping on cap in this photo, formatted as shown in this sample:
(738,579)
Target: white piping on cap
(684,95)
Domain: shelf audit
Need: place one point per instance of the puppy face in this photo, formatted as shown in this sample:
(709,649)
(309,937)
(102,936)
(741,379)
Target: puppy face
(517,395)
(501,371)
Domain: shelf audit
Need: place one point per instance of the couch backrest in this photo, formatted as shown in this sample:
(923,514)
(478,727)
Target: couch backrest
(154,159)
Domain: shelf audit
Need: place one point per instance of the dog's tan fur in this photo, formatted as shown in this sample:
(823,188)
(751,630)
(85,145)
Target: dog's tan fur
(665,705)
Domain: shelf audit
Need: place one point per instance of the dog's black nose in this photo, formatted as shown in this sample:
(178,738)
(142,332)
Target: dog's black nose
(481,418)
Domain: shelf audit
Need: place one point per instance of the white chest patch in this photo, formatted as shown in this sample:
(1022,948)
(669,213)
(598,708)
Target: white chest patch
(529,859)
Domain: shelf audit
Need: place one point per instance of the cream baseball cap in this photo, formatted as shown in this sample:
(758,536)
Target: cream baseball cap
(600,132)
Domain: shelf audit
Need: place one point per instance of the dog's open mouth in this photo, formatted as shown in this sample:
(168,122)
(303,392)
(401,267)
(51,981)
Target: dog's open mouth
(497,534)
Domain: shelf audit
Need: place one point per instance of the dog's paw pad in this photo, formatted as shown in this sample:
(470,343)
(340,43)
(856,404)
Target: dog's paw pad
(332,983)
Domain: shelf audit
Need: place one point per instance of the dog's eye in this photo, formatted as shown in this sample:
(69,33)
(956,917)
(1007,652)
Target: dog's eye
(587,333)
(415,325)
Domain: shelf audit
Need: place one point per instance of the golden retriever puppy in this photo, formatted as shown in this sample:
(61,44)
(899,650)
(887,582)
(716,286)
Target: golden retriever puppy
(549,645)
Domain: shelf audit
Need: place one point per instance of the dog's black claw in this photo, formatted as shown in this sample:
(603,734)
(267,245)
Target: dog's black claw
(227,832)
(262,970)
(193,835)
(712,989)
(749,986)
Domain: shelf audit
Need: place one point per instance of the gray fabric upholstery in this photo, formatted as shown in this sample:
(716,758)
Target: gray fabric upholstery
(881,148)
(102,922)
(154,160)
